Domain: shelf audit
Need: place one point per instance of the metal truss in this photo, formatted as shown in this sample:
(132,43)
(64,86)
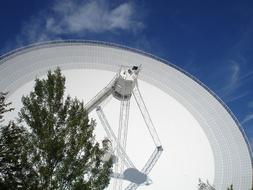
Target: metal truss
(122,87)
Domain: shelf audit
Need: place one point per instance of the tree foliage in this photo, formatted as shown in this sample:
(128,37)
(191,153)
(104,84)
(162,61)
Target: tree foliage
(230,187)
(59,148)
(14,167)
(205,186)
(3,105)
(11,137)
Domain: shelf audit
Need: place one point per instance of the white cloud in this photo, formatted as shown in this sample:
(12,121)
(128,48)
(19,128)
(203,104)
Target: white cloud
(92,16)
(234,77)
(233,82)
(232,97)
(247,118)
(235,70)
(76,17)
(250,104)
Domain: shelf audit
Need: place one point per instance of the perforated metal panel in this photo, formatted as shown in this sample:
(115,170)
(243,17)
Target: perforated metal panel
(231,150)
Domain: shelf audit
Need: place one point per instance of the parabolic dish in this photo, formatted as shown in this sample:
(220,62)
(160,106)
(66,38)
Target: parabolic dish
(201,138)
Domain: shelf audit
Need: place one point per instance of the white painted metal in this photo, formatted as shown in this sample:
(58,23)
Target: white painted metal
(121,152)
(146,117)
(121,87)
(122,137)
(231,150)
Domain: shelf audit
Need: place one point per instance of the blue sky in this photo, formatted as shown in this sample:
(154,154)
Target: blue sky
(212,39)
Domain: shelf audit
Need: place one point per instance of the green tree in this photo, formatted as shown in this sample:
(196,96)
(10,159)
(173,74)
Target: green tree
(12,138)
(230,187)
(14,167)
(59,150)
(3,105)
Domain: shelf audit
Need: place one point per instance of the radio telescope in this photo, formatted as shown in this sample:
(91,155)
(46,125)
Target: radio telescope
(122,87)
(167,129)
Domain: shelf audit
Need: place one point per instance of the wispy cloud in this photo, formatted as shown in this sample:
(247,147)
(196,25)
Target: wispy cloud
(232,97)
(247,118)
(234,76)
(250,104)
(235,79)
(235,68)
(240,75)
(79,18)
